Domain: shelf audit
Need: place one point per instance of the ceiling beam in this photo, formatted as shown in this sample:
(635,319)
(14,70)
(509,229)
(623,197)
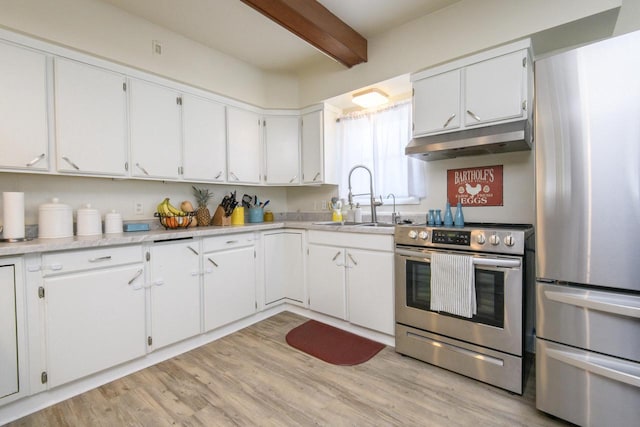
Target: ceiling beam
(315,24)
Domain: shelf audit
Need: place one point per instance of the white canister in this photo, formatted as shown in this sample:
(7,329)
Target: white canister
(88,221)
(113,222)
(55,220)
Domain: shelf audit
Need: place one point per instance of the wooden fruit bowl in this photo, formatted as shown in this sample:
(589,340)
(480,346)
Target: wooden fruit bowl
(172,222)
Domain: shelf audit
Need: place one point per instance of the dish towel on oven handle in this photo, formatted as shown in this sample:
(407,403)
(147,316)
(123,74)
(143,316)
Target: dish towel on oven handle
(453,287)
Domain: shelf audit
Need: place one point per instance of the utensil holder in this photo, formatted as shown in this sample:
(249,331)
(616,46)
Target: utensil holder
(256,215)
(237,217)
(219,218)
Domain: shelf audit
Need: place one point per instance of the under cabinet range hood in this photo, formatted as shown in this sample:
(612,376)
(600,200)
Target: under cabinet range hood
(502,138)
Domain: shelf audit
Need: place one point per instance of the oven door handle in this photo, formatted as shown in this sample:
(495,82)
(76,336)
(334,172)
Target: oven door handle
(488,262)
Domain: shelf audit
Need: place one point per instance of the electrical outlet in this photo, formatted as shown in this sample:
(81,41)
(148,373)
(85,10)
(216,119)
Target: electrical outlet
(138,208)
(156,47)
(324,205)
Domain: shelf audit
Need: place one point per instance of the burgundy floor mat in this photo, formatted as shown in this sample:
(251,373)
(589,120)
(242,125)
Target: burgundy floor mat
(331,344)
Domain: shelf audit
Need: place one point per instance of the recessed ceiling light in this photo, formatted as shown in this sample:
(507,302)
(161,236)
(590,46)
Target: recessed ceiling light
(370,98)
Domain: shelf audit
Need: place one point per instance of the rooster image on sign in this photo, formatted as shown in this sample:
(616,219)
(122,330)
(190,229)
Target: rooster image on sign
(478,186)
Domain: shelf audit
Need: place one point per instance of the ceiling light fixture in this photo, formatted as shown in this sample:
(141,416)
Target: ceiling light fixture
(371,97)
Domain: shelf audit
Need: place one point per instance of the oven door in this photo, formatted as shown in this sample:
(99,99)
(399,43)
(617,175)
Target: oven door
(499,286)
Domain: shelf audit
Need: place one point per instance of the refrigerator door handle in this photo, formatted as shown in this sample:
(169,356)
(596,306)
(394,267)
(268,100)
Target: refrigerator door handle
(597,365)
(610,304)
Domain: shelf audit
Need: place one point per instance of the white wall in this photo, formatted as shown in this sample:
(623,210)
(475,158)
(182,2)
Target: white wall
(106,194)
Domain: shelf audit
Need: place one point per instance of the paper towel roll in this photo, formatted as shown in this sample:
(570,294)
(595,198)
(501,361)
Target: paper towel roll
(13,215)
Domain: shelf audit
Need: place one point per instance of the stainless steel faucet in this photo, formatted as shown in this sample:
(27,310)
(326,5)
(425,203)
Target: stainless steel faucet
(395,216)
(374,202)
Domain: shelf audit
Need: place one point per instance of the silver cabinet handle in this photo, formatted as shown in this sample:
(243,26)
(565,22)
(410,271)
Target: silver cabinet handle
(73,165)
(192,250)
(316,177)
(133,279)
(451,117)
(212,262)
(231,242)
(610,304)
(36,160)
(218,176)
(293,179)
(596,364)
(233,175)
(99,259)
(336,256)
(474,115)
(352,260)
(144,171)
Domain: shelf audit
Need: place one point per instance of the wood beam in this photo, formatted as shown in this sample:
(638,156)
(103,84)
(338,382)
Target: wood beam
(315,24)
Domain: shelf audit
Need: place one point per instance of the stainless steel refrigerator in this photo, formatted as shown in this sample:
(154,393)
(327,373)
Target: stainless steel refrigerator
(588,233)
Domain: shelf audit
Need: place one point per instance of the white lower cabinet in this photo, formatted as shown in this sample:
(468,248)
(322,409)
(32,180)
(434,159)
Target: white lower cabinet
(229,264)
(8,333)
(283,266)
(174,292)
(352,281)
(94,320)
(92,305)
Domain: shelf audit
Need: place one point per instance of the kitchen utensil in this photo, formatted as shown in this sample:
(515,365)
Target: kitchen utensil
(265,204)
(247,200)
(88,222)
(55,220)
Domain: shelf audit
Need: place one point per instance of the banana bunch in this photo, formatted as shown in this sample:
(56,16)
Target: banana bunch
(167,209)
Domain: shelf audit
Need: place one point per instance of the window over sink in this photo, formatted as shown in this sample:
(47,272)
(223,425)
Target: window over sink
(377,139)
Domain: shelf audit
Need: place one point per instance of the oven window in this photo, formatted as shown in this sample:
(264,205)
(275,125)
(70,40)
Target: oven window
(489,293)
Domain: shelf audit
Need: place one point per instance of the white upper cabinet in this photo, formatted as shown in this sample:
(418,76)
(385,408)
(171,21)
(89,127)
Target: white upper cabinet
(91,124)
(488,88)
(436,103)
(282,148)
(24,141)
(312,147)
(204,147)
(495,89)
(155,129)
(244,146)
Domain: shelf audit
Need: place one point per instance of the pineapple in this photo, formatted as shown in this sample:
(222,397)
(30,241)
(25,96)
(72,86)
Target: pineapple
(202,195)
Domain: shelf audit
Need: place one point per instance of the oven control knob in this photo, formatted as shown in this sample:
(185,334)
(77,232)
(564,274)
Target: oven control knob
(423,235)
(413,234)
(509,240)
(480,239)
(494,239)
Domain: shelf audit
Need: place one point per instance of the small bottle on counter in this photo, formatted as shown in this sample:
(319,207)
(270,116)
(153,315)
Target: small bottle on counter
(438,218)
(459,219)
(431,218)
(358,213)
(448,217)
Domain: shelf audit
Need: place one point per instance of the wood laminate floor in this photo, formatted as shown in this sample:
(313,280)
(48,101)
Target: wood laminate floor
(253,378)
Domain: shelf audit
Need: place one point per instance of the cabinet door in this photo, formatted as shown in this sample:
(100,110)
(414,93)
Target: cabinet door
(326,278)
(312,148)
(24,140)
(436,103)
(244,146)
(283,267)
(94,320)
(229,286)
(282,149)
(175,293)
(494,89)
(8,337)
(155,130)
(370,288)
(91,133)
(204,147)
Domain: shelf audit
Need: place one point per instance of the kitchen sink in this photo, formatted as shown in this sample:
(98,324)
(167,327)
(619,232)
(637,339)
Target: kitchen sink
(352,223)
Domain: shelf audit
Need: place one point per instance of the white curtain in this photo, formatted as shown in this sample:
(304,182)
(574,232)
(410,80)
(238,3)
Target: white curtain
(377,141)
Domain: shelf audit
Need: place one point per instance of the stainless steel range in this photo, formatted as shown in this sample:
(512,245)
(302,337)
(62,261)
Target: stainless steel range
(490,345)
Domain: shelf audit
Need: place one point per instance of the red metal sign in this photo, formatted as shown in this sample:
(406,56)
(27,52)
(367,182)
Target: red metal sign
(481,186)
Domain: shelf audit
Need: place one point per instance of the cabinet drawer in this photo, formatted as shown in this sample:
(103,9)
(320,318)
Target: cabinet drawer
(227,241)
(87,259)
(352,240)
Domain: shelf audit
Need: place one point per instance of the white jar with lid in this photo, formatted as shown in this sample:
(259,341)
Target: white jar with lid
(112,222)
(55,220)
(88,221)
